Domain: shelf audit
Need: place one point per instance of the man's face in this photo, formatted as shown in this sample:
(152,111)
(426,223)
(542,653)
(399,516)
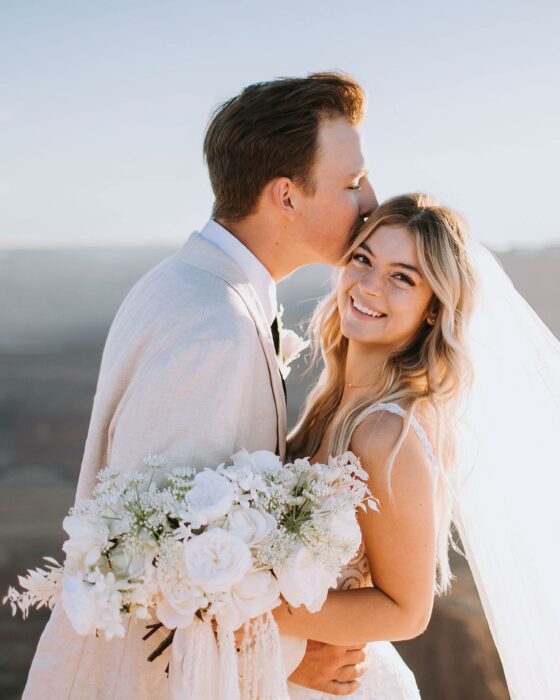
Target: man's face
(342,196)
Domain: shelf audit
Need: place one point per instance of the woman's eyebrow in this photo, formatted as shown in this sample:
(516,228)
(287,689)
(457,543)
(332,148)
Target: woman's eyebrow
(407,266)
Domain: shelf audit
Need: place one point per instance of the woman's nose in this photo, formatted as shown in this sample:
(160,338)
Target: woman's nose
(371,283)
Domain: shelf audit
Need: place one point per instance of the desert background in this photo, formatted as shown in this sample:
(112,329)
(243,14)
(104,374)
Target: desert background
(55,310)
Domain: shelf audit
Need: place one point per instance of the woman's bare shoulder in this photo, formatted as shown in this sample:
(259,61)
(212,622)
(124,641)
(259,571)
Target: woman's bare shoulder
(376,436)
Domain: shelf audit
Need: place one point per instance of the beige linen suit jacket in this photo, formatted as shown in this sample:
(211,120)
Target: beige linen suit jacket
(189,371)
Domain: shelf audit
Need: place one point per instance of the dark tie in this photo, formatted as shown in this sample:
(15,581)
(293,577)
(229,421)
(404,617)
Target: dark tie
(274,329)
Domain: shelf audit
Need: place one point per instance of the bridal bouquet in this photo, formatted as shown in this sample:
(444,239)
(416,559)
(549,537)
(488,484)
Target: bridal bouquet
(205,552)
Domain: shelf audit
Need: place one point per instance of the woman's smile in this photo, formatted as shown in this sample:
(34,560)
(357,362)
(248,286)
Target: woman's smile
(383,295)
(365,312)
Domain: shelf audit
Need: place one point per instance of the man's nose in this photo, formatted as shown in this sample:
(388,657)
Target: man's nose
(368,201)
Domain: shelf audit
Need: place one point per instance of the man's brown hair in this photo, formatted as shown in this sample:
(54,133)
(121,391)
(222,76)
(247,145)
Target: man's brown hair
(270,130)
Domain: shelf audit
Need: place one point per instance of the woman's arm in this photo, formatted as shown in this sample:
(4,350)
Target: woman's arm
(400,543)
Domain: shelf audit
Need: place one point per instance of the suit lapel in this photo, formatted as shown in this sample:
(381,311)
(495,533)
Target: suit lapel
(200,253)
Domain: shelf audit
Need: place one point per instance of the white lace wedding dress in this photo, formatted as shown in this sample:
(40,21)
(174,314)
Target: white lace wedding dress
(388,677)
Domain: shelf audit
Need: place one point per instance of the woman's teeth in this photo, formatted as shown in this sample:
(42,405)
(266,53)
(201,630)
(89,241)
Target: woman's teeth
(365,310)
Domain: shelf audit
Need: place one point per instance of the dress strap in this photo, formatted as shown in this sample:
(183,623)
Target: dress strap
(399,410)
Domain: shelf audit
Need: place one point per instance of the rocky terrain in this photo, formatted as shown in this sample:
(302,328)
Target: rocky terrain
(55,310)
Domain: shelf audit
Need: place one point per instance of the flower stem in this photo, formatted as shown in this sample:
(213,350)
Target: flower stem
(163,646)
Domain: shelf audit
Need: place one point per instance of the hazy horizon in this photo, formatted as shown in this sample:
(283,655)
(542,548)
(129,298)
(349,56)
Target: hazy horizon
(123,246)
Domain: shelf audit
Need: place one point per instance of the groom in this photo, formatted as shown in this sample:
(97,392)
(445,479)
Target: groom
(190,367)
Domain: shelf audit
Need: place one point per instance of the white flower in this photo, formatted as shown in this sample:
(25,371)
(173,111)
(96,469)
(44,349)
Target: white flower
(129,565)
(78,601)
(178,605)
(249,524)
(344,525)
(261,461)
(142,595)
(155,461)
(291,347)
(211,496)
(108,599)
(93,604)
(216,560)
(179,599)
(303,580)
(86,541)
(256,593)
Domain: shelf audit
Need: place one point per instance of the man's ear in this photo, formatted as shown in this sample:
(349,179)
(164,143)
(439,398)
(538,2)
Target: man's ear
(282,191)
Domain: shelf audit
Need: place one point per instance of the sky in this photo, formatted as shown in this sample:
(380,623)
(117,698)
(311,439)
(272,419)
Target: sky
(103,107)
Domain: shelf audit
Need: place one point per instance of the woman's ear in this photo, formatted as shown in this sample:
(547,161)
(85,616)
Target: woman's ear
(433,311)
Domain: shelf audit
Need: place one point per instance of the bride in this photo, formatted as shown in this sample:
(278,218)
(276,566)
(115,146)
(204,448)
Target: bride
(393,338)
(398,338)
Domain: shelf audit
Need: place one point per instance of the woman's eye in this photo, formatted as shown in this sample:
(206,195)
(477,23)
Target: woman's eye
(405,278)
(356,187)
(360,258)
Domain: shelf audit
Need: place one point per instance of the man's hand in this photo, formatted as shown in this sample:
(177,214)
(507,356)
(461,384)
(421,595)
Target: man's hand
(331,669)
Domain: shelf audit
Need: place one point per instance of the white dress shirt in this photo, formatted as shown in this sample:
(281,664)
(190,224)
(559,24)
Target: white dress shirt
(254,270)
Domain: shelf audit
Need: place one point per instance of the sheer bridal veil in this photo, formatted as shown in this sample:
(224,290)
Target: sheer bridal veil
(507,486)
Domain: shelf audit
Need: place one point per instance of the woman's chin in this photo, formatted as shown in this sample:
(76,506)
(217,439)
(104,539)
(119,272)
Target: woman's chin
(360,335)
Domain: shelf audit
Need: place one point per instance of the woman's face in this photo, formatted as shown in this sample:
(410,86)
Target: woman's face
(383,298)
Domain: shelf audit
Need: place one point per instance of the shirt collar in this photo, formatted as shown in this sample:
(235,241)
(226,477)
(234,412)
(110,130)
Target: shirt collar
(254,270)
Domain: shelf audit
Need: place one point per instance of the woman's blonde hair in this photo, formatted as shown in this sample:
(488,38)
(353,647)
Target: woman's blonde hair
(434,367)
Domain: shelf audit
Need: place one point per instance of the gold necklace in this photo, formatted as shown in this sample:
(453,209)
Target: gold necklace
(358,386)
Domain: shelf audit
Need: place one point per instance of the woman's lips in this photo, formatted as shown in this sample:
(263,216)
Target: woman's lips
(362,315)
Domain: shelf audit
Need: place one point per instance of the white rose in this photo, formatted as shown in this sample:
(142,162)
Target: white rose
(344,524)
(254,595)
(169,582)
(211,497)
(249,524)
(216,560)
(129,565)
(86,541)
(261,461)
(178,605)
(304,581)
(78,602)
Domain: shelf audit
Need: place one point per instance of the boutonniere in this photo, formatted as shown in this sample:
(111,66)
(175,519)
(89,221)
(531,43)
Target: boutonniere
(291,346)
